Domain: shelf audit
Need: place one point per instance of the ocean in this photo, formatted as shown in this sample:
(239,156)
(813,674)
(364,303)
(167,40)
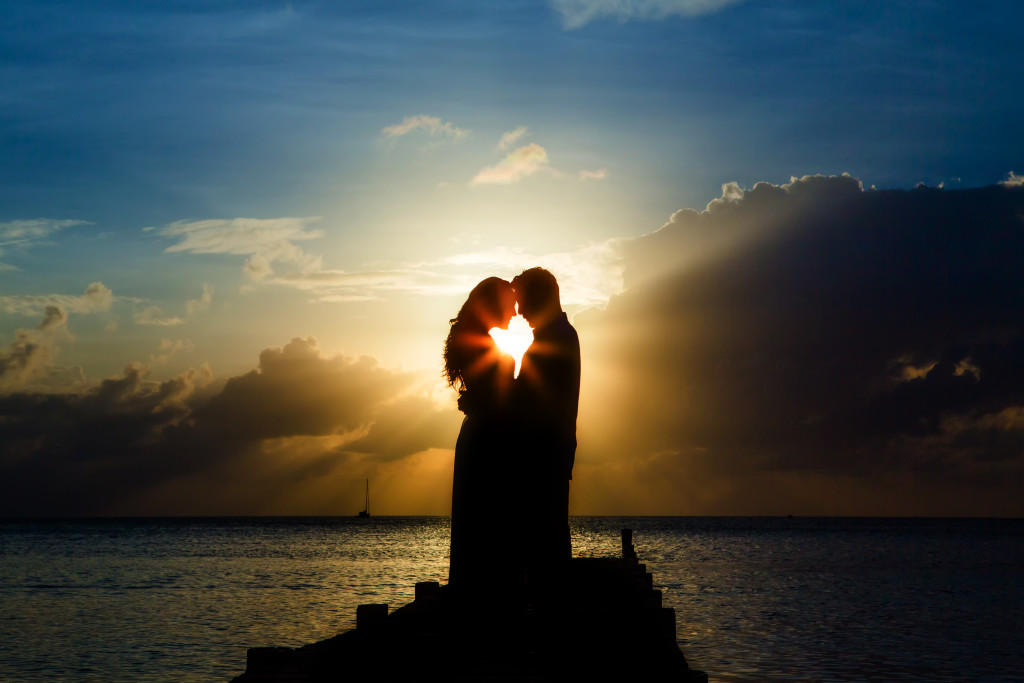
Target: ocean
(756,598)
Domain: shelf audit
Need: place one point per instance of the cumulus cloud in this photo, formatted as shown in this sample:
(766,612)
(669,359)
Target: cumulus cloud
(79,452)
(577,13)
(97,298)
(194,306)
(19,235)
(430,124)
(1013,180)
(257,267)
(169,348)
(518,164)
(289,435)
(31,354)
(510,137)
(814,347)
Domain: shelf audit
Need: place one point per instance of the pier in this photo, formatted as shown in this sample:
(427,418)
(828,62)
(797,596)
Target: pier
(593,619)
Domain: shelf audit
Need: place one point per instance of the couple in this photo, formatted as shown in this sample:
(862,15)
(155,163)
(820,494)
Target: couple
(515,452)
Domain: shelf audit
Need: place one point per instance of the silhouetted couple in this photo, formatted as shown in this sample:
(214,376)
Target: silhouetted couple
(514,455)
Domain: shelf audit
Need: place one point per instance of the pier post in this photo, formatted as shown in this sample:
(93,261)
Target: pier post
(425,590)
(368,616)
(628,551)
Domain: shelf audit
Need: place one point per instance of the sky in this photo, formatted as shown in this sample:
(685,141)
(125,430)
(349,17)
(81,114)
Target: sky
(789,235)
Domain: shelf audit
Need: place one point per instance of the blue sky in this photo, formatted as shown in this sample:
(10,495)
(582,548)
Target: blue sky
(192,183)
(131,116)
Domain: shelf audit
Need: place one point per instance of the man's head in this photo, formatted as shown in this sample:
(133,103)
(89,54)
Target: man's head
(537,295)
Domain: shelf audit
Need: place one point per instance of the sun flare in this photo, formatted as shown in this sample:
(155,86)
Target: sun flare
(515,340)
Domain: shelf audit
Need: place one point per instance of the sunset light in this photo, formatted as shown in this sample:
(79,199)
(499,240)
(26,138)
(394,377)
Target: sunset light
(766,258)
(515,340)
(793,293)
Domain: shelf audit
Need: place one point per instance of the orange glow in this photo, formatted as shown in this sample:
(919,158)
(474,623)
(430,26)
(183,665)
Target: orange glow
(515,340)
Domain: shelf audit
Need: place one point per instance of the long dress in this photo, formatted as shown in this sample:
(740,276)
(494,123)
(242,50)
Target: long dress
(482,489)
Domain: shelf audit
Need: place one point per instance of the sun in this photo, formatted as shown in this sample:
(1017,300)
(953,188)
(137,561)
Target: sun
(515,340)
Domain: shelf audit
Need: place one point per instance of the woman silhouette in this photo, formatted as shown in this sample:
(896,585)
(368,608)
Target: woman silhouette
(483,375)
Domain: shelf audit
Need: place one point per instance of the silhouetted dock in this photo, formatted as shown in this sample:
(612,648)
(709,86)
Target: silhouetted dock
(596,619)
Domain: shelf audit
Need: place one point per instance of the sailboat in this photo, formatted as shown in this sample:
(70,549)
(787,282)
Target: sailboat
(365,512)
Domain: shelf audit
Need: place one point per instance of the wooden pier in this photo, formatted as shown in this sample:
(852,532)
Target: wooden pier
(593,619)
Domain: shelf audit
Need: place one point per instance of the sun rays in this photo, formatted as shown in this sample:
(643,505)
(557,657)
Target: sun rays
(515,340)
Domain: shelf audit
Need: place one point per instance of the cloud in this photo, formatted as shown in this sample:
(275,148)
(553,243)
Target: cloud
(265,240)
(430,124)
(577,13)
(803,348)
(194,306)
(589,275)
(509,138)
(288,435)
(79,452)
(169,348)
(815,348)
(806,348)
(339,286)
(599,174)
(97,298)
(298,391)
(257,267)
(20,235)
(522,162)
(31,354)
(32,231)
(155,316)
(1013,180)
(410,425)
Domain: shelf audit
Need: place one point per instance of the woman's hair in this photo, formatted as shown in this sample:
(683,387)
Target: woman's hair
(483,305)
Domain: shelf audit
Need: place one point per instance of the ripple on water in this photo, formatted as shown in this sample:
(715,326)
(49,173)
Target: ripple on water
(756,598)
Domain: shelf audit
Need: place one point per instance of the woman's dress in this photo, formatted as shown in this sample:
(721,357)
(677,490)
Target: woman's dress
(483,504)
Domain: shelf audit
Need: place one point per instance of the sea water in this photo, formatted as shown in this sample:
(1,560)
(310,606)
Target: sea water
(756,599)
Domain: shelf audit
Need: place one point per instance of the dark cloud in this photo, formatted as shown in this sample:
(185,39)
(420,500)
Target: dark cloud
(298,391)
(410,425)
(817,328)
(812,348)
(240,446)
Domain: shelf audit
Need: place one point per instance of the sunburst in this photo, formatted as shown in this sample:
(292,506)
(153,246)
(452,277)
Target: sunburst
(515,340)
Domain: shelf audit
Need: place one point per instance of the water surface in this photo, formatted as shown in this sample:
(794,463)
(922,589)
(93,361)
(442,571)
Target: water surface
(756,598)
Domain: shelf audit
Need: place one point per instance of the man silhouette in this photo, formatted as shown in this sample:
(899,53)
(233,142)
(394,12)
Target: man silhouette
(547,401)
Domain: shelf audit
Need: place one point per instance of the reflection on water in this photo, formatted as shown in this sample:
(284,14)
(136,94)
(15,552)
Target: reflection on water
(756,598)
(843,600)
